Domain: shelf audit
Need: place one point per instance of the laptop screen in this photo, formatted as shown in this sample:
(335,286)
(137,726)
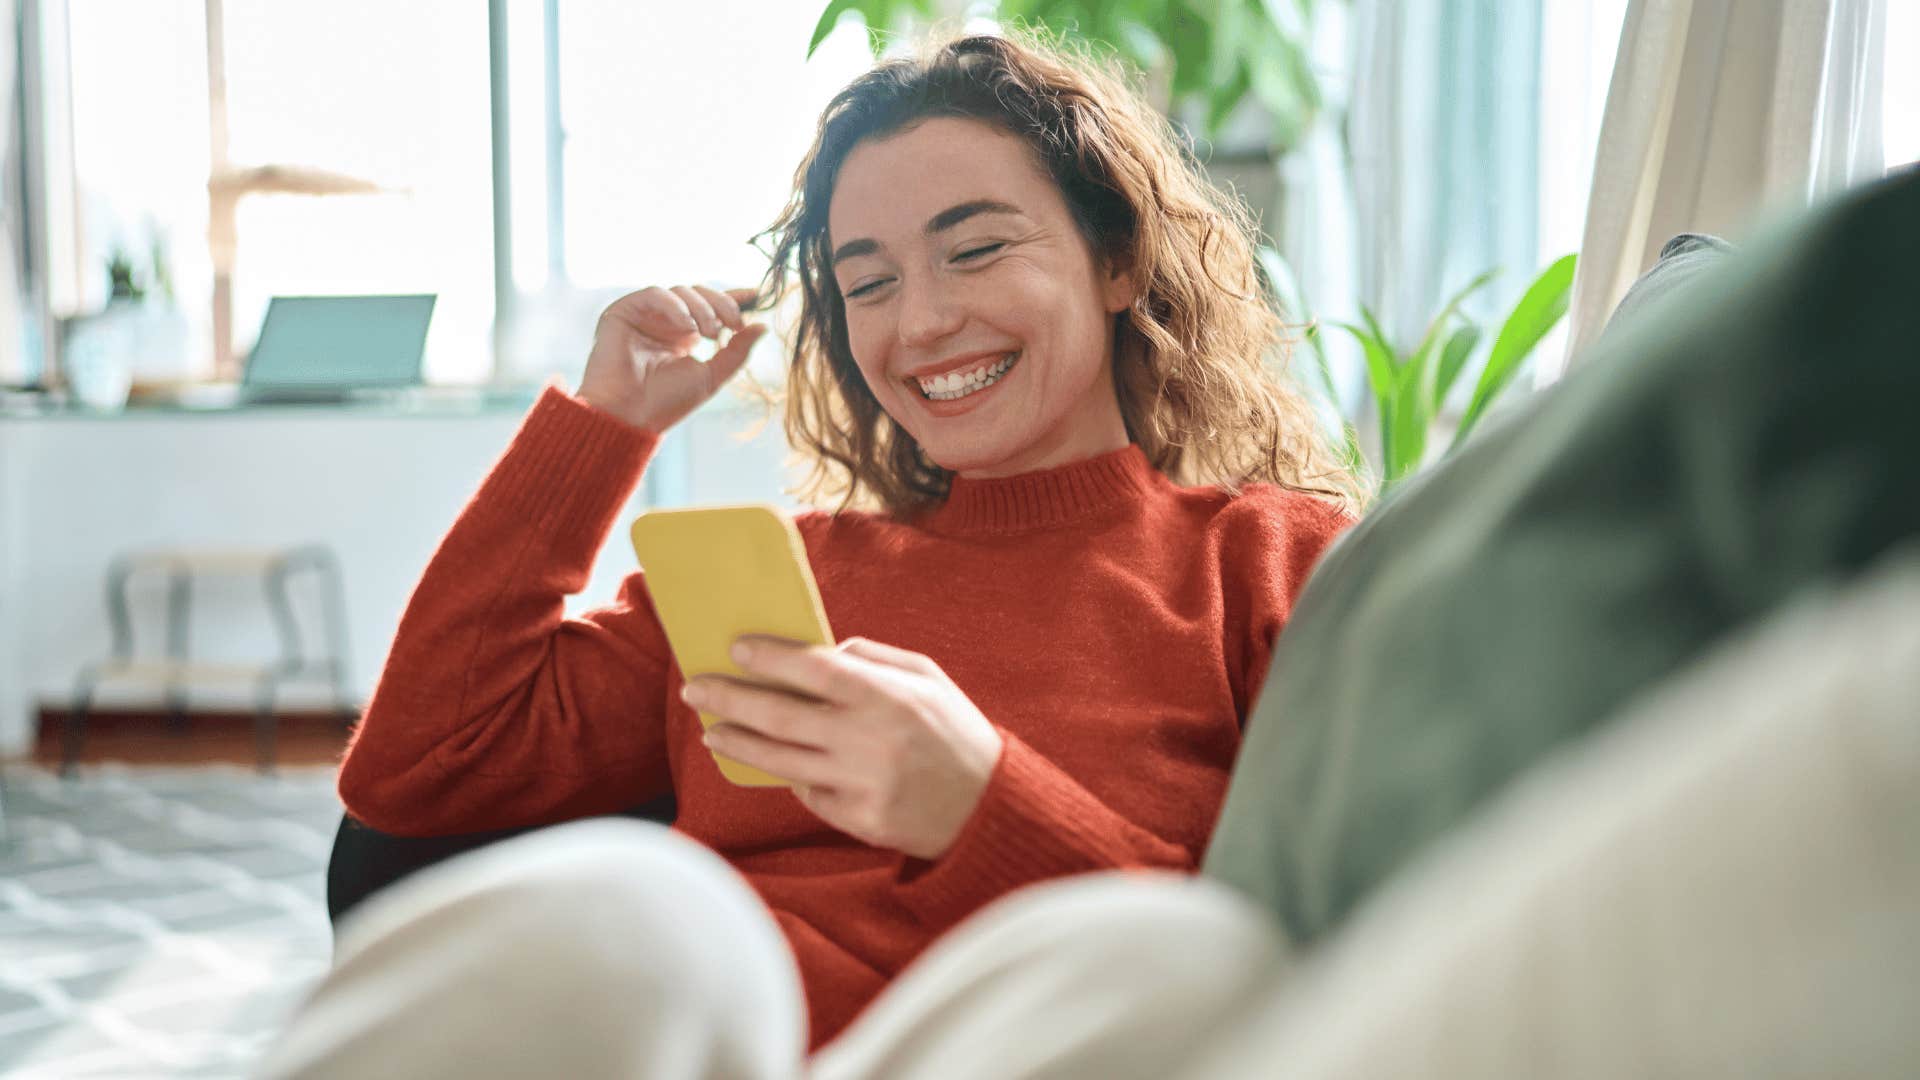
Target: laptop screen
(340,341)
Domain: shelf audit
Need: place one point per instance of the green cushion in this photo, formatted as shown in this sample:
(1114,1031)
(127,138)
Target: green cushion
(1710,459)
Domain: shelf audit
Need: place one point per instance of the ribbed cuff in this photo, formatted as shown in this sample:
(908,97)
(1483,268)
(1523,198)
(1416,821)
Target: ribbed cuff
(1034,822)
(569,469)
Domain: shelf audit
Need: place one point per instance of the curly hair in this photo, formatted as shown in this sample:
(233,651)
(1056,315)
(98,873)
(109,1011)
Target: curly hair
(1194,358)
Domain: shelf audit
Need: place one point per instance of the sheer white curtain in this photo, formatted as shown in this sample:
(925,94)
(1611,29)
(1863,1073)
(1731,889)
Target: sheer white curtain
(1408,185)
(1719,110)
(1444,130)
(13,362)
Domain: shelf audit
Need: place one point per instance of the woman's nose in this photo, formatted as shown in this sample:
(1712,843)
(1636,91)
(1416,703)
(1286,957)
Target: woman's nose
(927,313)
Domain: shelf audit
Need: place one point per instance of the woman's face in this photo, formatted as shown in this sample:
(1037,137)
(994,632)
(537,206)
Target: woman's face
(958,258)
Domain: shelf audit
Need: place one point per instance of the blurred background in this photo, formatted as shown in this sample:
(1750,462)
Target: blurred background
(212,512)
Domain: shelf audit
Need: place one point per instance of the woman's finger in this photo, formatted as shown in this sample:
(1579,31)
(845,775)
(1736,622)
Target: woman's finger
(889,656)
(723,305)
(701,310)
(774,713)
(654,313)
(823,672)
(795,764)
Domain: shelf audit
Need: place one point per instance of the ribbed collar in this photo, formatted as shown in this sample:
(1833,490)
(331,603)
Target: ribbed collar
(1044,499)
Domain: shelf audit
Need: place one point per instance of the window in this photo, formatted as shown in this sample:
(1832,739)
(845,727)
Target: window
(393,94)
(671,146)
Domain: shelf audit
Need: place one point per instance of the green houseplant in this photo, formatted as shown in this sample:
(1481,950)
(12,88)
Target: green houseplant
(1212,54)
(1410,386)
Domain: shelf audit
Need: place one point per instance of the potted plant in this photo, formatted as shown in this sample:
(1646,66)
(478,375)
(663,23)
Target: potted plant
(1203,59)
(1410,386)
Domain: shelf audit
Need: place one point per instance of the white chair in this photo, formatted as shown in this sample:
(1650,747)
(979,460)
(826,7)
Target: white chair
(176,673)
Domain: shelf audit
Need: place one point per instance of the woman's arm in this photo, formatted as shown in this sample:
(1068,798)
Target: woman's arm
(493,709)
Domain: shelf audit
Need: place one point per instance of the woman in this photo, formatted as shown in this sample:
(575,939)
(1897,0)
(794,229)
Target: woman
(1074,508)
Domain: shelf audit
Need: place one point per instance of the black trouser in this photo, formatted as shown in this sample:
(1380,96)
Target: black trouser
(365,861)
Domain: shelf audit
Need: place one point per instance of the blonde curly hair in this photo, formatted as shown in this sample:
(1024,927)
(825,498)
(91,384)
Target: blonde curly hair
(1194,355)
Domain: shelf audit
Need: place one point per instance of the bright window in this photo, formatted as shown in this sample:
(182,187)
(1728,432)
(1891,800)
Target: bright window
(670,156)
(392,93)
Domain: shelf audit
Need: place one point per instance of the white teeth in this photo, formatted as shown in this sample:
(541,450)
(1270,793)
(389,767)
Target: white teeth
(957,385)
(951,387)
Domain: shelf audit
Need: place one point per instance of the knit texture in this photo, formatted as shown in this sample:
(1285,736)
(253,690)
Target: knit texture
(1113,626)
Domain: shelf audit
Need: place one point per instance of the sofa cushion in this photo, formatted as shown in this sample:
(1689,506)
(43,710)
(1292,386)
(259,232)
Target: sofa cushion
(1711,459)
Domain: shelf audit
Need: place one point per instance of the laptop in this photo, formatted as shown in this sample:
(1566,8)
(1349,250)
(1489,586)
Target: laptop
(331,349)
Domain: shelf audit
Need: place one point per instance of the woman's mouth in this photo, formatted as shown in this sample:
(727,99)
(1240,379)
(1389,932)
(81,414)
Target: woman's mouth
(960,384)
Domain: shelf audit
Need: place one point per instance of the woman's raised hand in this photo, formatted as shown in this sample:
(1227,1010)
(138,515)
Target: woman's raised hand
(640,368)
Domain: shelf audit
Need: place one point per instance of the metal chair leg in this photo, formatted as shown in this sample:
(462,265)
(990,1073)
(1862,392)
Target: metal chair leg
(179,612)
(334,608)
(73,734)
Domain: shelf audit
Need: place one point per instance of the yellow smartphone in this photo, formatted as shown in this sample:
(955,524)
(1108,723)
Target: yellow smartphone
(716,573)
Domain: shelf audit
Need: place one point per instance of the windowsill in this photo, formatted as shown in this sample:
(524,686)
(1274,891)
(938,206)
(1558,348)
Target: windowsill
(451,401)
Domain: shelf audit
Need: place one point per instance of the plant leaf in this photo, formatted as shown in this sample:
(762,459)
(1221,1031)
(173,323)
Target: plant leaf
(1222,98)
(1383,378)
(1283,79)
(1373,327)
(1407,422)
(1226,34)
(1452,305)
(1140,45)
(1542,306)
(1453,358)
(830,18)
(1382,372)
(1184,31)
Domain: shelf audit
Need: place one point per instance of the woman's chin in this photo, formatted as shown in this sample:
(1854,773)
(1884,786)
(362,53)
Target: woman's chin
(961,455)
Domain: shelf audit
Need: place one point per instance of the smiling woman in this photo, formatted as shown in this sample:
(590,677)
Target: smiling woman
(986,200)
(977,268)
(1075,506)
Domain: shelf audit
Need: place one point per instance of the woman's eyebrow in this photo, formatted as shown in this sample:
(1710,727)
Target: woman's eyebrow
(940,222)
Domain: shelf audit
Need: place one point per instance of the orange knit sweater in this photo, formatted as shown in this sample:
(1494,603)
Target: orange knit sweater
(1113,626)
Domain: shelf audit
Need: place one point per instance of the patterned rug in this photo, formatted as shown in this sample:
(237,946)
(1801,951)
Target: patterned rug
(158,922)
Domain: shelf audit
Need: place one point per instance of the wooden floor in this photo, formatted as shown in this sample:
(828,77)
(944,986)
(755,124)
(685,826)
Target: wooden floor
(147,738)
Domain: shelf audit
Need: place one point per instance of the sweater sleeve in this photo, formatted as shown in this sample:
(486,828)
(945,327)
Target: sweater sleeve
(494,710)
(1272,541)
(1034,822)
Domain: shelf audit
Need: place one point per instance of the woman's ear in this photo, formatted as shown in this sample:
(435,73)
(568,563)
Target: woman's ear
(1117,292)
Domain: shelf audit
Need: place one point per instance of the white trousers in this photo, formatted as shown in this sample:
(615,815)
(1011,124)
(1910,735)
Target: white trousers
(1725,884)
(619,948)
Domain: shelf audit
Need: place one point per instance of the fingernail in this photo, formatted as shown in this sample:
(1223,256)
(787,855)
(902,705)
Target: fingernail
(741,652)
(692,695)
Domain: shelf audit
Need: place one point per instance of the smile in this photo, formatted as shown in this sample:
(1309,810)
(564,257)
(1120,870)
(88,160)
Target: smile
(956,385)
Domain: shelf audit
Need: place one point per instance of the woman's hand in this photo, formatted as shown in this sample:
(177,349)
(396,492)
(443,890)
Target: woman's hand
(639,368)
(878,741)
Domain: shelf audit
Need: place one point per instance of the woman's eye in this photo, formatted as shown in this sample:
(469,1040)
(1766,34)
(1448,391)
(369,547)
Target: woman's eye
(971,253)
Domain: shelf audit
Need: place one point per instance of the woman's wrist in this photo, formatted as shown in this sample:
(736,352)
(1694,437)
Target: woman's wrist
(622,410)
